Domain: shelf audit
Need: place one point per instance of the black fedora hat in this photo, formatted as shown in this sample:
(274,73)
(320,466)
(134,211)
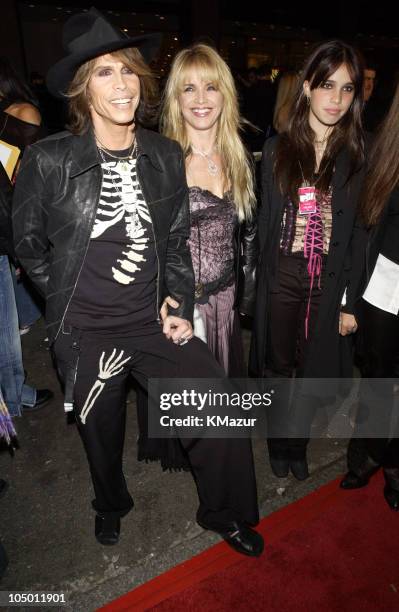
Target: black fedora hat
(88,35)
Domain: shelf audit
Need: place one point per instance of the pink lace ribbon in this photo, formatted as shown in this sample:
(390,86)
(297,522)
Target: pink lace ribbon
(313,251)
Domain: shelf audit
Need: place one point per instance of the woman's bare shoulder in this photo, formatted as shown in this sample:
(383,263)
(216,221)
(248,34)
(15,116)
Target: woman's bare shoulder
(24,111)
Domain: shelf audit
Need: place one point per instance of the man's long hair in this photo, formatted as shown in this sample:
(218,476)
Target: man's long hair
(383,175)
(79,99)
(296,152)
(213,69)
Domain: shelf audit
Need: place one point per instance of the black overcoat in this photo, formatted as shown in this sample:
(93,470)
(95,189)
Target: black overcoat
(329,354)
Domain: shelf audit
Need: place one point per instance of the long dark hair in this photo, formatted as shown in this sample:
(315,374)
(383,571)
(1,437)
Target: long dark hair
(12,87)
(297,143)
(383,175)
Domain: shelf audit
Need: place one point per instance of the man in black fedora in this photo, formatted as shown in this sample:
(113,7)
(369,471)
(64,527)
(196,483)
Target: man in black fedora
(101,223)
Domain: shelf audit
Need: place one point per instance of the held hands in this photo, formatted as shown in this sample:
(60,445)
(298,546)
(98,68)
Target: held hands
(175,328)
(347,324)
(168,301)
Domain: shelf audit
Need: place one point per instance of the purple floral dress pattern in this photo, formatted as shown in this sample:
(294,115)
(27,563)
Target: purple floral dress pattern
(213,222)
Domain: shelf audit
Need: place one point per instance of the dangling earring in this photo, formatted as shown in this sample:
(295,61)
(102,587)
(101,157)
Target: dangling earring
(308,100)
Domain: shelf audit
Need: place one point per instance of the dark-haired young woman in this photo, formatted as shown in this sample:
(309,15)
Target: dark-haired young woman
(378,313)
(311,178)
(17,100)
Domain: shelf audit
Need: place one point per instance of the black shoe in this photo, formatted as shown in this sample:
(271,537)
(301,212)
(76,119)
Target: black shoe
(107,529)
(280,467)
(241,538)
(3,486)
(392,497)
(43,396)
(300,468)
(353,481)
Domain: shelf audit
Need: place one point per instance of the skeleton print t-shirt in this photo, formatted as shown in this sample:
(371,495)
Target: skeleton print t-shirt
(116,289)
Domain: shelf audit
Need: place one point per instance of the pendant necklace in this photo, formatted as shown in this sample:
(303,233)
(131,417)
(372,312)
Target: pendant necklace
(321,144)
(213,168)
(123,159)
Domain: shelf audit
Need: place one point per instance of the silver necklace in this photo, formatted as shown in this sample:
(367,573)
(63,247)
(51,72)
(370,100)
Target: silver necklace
(123,158)
(213,169)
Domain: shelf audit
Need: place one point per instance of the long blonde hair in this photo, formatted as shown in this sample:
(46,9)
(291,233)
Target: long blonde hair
(286,91)
(238,168)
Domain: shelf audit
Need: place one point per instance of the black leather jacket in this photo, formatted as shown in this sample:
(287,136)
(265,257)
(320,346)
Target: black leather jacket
(246,259)
(54,208)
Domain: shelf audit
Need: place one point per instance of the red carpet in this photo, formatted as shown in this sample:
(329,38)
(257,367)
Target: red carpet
(331,551)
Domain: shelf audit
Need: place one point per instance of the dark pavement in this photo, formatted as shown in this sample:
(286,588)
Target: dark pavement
(47,525)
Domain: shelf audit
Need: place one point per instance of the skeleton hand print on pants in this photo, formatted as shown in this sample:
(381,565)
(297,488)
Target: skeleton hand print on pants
(113,366)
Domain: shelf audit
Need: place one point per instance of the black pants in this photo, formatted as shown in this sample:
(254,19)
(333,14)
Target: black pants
(223,468)
(379,358)
(287,352)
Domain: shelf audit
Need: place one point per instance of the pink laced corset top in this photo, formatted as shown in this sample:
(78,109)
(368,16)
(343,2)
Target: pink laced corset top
(308,236)
(295,226)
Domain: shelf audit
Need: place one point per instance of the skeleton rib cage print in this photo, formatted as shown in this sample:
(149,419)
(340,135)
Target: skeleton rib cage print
(122,199)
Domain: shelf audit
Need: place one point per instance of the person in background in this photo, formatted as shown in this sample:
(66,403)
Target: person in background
(53,110)
(378,92)
(311,178)
(379,318)
(257,108)
(372,114)
(20,125)
(370,75)
(110,246)
(18,396)
(286,91)
(17,101)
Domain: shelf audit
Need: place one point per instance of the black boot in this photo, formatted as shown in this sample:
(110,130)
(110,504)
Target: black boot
(107,529)
(360,476)
(300,468)
(391,490)
(298,460)
(3,486)
(278,457)
(391,497)
(353,481)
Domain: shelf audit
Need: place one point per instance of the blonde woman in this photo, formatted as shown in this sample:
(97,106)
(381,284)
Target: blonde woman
(286,91)
(200,111)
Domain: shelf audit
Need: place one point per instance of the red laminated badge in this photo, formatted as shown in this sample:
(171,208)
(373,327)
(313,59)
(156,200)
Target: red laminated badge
(307,200)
